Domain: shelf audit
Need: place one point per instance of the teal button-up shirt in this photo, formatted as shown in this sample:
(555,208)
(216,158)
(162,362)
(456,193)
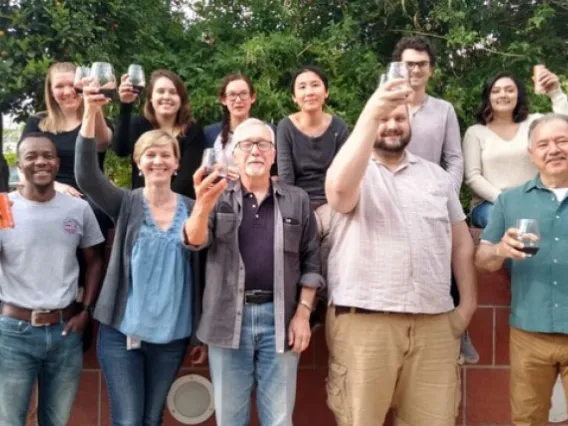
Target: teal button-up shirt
(539,284)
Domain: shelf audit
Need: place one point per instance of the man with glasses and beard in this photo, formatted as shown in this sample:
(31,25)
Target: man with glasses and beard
(392,330)
(263,270)
(40,324)
(435,132)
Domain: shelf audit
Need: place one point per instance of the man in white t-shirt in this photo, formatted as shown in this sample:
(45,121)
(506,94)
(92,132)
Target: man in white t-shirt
(40,324)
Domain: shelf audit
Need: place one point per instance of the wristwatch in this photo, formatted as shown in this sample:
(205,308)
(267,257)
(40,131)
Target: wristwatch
(88,309)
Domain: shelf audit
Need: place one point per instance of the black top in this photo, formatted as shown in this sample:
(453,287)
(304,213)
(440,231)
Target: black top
(65,144)
(191,145)
(303,160)
(256,241)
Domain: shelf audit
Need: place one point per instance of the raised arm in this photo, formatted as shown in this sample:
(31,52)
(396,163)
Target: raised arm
(103,133)
(89,176)
(285,161)
(344,176)
(473,176)
(196,228)
(452,157)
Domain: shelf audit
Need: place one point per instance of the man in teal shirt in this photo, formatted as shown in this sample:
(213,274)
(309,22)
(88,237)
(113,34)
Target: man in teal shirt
(539,283)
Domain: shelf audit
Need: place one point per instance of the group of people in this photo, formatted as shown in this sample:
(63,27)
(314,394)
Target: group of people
(233,268)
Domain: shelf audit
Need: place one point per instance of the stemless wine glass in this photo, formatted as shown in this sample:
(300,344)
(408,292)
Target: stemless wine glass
(80,74)
(137,78)
(529,235)
(103,74)
(396,70)
(213,160)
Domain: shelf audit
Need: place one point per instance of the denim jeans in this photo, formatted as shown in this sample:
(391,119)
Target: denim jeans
(234,371)
(481,213)
(138,380)
(31,353)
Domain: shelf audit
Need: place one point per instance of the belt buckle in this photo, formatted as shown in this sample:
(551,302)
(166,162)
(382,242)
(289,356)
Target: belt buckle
(36,315)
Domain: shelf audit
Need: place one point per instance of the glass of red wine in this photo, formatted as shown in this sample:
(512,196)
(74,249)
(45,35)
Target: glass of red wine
(529,235)
(137,78)
(80,74)
(103,74)
(213,160)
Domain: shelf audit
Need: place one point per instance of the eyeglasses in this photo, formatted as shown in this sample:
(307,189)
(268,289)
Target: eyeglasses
(232,96)
(262,145)
(422,64)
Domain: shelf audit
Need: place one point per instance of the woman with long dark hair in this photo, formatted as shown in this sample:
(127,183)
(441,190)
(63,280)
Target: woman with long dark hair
(495,149)
(168,108)
(237,96)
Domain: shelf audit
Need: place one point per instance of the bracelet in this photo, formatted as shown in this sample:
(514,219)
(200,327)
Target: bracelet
(306,305)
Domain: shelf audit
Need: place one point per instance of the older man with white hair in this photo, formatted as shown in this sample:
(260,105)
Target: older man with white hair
(263,270)
(539,272)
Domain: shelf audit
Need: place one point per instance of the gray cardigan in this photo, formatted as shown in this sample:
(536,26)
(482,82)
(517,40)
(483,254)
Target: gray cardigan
(126,209)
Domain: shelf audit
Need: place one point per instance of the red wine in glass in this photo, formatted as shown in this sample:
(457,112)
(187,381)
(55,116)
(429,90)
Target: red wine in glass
(137,78)
(529,235)
(222,174)
(80,74)
(137,89)
(109,93)
(531,251)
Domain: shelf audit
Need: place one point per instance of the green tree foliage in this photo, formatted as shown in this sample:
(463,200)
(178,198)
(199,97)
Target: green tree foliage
(269,39)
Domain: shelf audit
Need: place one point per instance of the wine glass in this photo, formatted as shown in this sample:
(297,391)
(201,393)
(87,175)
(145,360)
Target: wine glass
(80,74)
(137,78)
(103,74)
(382,79)
(213,160)
(529,235)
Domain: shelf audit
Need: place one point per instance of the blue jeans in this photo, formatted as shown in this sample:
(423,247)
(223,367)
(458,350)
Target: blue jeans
(138,380)
(28,353)
(481,213)
(234,371)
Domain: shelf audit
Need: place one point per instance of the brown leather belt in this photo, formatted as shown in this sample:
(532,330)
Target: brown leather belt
(340,310)
(39,317)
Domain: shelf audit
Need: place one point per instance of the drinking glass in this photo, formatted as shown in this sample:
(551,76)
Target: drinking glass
(137,78)
(213,161)
(529,235)
(103,74)
(80,74)
(396,70)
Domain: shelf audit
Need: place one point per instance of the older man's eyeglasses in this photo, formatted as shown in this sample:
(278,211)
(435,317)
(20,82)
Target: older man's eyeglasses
(262,145)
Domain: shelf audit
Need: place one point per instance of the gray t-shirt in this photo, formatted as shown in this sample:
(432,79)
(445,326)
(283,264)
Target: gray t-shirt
(303,160)
(436,137)
(38,257)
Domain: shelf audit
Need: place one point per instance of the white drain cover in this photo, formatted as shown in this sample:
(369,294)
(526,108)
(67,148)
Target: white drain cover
(190,399)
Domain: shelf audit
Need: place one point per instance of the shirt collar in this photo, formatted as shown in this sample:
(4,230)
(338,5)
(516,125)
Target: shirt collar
(275,188)
(534,183)
(408,159)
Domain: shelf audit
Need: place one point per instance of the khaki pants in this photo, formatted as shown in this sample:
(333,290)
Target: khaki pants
(407,361)
(536,361)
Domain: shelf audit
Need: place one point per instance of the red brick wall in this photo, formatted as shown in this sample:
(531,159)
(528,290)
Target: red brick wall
(485,385)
